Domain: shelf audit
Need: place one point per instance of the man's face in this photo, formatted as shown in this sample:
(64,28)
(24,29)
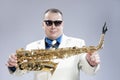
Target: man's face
(53,25)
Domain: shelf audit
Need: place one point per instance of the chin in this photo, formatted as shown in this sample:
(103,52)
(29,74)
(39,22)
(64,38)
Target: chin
(53,37)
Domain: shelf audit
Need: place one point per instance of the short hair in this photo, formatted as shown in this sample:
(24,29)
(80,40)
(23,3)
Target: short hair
(53,10)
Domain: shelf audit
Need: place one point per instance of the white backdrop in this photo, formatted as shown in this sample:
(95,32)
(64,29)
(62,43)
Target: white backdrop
(20,24)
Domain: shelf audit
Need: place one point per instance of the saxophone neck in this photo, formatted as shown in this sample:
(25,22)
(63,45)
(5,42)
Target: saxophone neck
(101,42)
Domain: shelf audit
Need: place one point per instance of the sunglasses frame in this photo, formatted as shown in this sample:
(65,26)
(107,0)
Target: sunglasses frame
(51,22)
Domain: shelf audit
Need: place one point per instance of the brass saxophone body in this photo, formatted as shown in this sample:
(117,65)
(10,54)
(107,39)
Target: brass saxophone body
(42,59)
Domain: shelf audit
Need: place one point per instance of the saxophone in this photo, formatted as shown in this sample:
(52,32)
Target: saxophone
(42,59)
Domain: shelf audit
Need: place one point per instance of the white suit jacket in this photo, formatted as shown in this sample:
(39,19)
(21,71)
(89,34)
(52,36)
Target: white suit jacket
(67,69)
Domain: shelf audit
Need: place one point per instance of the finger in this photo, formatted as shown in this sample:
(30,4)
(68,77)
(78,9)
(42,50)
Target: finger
(96,59)
(12,60)
(8,65)
(14,56)
(11,64)
(95,55)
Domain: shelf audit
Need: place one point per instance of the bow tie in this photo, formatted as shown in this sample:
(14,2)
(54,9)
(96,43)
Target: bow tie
(51,43)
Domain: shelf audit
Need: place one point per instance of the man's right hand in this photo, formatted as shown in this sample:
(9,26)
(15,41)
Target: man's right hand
(12,61)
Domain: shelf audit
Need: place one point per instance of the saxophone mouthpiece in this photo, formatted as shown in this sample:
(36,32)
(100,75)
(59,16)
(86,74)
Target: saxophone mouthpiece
(104,28)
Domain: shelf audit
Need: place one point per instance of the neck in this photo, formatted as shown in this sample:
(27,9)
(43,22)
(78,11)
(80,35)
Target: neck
(54,37)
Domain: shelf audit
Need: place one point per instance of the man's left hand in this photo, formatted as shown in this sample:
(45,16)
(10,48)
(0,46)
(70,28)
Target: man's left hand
(93,59)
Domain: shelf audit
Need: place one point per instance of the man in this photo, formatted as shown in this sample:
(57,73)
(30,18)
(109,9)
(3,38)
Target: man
(67,69)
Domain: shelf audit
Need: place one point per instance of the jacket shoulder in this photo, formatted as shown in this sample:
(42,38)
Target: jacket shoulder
(75,41)
(33,45)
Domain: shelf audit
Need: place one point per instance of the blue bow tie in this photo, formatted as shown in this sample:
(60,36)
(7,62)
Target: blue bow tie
(48,42)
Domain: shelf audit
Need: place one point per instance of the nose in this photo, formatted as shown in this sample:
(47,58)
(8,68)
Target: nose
(53,26)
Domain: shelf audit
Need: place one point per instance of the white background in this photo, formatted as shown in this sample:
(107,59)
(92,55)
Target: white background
(20,24)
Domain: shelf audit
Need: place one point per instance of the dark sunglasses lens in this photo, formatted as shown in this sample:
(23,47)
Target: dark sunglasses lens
(57,23)
(48,23)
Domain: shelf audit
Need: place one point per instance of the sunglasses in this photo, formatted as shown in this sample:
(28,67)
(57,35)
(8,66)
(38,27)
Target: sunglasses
(50,22)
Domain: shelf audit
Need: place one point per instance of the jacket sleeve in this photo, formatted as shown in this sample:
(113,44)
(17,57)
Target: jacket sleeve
(18,72)
(83,63)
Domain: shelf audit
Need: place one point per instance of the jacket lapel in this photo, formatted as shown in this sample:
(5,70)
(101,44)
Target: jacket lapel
(41,44)
(63,41)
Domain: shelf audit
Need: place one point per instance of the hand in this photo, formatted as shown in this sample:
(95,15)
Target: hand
(93,59)
(12,61)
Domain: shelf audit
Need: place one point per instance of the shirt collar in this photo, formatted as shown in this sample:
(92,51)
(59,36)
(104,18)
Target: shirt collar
(49,41)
